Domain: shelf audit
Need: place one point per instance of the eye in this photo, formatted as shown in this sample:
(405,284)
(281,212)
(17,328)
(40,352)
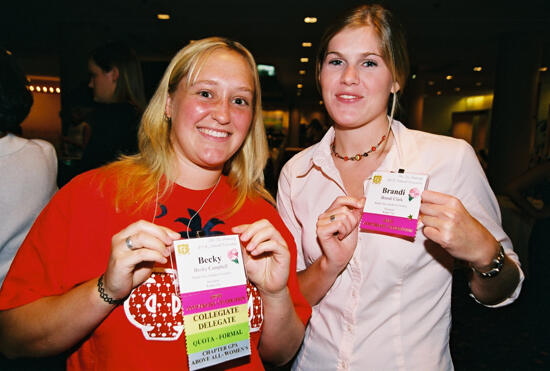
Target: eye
(335,62)
(370,63)
(205,94)
(240,101)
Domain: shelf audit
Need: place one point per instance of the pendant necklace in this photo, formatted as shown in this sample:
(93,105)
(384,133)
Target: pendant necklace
(200,233)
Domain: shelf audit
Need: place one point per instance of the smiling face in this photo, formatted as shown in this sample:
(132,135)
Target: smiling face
(355,80)
(212,115)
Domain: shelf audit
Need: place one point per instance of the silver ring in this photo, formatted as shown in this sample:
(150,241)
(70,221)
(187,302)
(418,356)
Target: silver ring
(129,243)
(332,217)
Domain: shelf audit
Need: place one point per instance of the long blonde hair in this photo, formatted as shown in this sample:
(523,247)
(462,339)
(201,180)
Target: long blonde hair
(150,173)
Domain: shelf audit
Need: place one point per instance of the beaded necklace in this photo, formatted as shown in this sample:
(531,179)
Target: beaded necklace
(359,156)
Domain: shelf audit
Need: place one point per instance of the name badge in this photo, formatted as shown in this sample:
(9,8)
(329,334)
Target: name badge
(214,301)
(393,203)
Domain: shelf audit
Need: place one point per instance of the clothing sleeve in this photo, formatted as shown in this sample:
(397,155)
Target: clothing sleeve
(475,193)
(285,209)
(31,275)
(51,158)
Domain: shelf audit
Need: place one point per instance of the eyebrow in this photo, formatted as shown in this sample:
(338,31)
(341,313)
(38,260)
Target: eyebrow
(213,83)
(364,55)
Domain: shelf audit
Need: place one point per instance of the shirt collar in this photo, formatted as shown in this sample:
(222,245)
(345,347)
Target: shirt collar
(404,148)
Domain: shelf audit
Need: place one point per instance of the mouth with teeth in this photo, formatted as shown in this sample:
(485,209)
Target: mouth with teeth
(214,133)
(348,97)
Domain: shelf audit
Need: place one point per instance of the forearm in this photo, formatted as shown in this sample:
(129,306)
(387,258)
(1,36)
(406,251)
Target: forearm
(316,280)
(53,324)
(491,291)
(282,332)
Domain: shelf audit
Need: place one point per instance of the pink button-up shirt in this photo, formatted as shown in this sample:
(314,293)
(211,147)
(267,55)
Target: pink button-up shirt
(390,308)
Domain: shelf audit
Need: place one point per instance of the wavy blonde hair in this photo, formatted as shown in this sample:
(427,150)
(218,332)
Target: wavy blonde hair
(150,173)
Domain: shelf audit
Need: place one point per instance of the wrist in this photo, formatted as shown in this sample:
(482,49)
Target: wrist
(274,296)
(328,268)
(105,296)
(494,267)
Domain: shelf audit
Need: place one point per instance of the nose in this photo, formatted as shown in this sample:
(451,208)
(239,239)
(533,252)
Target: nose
(221,112)
(350,75)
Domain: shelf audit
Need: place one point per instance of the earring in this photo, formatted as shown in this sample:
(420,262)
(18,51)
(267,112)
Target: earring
(167,119)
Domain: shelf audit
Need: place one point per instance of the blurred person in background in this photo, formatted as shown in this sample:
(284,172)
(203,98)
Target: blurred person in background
(117,83)
(28,168)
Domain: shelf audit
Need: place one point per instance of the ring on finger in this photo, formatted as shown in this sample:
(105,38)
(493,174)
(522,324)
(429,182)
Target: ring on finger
(332,217)
(129,243)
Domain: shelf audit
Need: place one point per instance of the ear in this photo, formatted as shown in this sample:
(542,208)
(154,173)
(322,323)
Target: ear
(395,87)
(114,74)
(168,107)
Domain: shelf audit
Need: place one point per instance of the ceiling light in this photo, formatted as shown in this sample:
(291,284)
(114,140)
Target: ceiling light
(477,68)
(31,88)
(457,89)
(45,89)
(431,83)
(449,77)
(51,89)
(304,60)
(302,72)
(163,16)
(543,69)
(413,76)
(57,90)
(439,92)
(299,86)
(320,102)
(38,88)
(306,44)
(310,19)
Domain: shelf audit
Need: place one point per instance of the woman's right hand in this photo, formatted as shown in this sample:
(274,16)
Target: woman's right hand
(337,231)
(129,267)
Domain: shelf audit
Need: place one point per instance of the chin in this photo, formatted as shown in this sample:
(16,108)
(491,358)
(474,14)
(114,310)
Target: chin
(214,163)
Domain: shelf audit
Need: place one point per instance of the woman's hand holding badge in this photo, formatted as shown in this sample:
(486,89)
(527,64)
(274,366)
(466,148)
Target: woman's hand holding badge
(337,231)
(337,234)
(266,256)
(134,252)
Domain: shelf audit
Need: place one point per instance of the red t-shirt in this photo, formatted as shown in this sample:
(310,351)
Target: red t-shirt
(70,243)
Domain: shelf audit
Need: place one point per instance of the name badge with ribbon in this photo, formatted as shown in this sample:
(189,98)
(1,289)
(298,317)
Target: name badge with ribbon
(212,285)
(393,203)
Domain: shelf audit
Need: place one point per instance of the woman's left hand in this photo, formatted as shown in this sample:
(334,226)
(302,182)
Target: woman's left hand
(448,223)
(266,256)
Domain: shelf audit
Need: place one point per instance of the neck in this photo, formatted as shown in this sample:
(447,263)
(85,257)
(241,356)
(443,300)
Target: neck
(359,140)
(198,180)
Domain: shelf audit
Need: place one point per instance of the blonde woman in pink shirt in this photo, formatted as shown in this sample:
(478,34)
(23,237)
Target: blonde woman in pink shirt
(381,302)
